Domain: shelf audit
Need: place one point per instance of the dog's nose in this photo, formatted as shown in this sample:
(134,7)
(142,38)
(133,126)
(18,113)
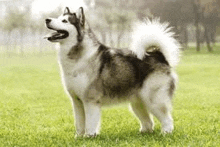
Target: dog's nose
(48,20)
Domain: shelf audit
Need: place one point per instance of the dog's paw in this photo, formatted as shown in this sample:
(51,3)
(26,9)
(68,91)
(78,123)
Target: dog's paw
(90,135)
(147,128)
(143,131)
(167,130)
(78,136)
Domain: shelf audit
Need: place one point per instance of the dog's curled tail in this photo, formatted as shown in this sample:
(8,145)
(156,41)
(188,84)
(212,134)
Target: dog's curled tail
(153,33)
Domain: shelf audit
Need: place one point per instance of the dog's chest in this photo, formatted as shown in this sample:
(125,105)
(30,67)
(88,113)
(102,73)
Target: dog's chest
(77,83)
(75,77)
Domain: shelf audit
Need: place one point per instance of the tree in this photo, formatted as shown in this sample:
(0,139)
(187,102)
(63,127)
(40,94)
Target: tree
(181,14)
(204,14)
(197,17)
(177,13)
(113,20)
(210,21)
(17,19)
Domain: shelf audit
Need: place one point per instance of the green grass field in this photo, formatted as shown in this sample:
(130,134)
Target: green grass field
(35,111)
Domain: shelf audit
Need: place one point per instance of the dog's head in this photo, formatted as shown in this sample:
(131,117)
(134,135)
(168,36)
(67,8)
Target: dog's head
(67,25)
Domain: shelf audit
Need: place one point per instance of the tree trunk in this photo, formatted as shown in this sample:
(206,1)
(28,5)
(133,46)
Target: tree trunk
(197,20)
(185,35)
(197,37)
(207,39)
(213,34)
(207,32)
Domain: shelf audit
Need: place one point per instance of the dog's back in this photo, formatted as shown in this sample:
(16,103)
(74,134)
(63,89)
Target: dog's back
(121,73)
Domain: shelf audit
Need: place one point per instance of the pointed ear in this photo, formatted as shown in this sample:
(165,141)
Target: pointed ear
(81,16)
(66,11)
(73,18)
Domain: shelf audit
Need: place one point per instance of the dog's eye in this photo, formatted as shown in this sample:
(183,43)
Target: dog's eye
(64,21)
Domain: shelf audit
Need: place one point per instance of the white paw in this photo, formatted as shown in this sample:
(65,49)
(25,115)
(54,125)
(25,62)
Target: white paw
(167,129)
(90,135)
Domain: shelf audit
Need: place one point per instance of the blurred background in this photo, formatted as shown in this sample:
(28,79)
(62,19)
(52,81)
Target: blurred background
(22,28)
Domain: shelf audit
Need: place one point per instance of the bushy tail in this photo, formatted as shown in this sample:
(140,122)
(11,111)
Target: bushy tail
(153,33)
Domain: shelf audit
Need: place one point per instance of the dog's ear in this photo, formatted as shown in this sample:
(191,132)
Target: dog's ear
(73,18)
(66,11)
(81,16)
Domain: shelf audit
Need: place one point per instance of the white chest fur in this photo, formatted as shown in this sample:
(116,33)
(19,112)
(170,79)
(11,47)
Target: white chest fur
(76,83)
(77,74)
(74,76)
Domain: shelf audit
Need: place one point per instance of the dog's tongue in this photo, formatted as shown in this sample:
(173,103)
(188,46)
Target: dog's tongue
(50,35)
(56,35)
(53,36)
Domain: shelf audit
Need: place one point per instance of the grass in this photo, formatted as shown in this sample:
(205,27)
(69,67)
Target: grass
(35,111)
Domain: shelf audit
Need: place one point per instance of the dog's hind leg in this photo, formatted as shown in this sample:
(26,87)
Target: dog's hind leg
(139,108)
(79,116)
(157,95)
(162,110)
(159,104)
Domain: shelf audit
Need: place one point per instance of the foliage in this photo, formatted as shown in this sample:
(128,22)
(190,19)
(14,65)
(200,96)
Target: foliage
(15,19)
(112,17)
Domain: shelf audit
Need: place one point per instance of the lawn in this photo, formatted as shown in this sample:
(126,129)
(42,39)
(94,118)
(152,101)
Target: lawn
(35,111)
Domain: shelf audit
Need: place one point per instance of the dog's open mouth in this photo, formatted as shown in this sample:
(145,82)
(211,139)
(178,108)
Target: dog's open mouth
(57,35)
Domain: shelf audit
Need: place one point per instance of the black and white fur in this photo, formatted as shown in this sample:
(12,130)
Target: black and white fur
(95,75)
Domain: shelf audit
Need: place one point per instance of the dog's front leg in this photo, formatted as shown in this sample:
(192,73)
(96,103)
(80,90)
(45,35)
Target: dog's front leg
(79,116)
(93,114)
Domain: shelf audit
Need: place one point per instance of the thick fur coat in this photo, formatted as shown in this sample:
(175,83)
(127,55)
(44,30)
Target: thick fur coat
(95,75)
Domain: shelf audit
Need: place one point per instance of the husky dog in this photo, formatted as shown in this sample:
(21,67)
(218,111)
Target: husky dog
(95,75)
